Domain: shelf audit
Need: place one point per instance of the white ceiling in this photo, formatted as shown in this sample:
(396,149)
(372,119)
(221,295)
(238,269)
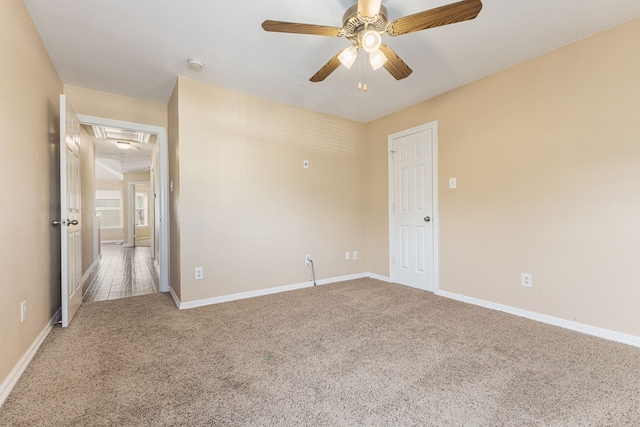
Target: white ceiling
(112,161)
(137,48)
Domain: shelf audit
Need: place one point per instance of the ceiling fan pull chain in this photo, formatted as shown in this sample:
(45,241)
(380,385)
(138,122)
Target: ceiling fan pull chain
(359,72)
(364,73)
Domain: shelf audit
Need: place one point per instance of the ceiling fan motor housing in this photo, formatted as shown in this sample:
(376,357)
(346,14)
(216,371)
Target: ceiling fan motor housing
(365,22)
(352,24)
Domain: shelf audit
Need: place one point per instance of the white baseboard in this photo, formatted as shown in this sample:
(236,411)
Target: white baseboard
(574,326)
(95,264)
(261,292)
(176,300)
(566,324)
(341,278)
(111,241)
(555,321)
(24,361)
(379,277)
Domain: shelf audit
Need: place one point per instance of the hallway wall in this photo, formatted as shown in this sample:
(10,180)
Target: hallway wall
(29,137)
(546,156)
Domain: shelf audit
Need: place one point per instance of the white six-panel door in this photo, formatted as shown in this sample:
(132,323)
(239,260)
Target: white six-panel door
(412,222)
(70,210)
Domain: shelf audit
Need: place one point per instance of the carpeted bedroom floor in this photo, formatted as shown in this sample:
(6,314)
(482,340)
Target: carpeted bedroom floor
(361,352)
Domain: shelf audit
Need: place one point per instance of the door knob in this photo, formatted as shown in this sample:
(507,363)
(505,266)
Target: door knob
(427,218)
(55,222)
(74,222)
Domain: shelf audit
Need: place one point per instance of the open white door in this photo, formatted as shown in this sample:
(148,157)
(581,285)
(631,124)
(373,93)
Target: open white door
(70,204)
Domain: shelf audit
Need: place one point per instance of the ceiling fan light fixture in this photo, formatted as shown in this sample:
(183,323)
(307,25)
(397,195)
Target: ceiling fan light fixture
(123,145)
(348,56)
(371,41)
(377,59)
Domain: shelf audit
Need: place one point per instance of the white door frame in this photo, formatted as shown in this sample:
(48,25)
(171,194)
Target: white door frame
(434,192)
(163,183)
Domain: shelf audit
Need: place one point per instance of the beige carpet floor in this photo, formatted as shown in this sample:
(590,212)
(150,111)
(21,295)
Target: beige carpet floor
(353,353)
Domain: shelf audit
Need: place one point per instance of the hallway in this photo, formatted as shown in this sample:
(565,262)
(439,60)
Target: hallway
(122,272)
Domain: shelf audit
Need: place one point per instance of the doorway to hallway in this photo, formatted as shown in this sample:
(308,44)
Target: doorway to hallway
(122,272)
(158,193)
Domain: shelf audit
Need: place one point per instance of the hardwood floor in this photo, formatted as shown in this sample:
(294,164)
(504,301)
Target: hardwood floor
(123,272)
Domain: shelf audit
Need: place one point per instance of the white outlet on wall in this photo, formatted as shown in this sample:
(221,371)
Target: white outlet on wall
(23,311)
(305,164)
(347,256)
(355,255)
(199,273)
(527,280)
(307,259)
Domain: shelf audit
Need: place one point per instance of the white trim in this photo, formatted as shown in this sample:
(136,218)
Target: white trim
(390,203)
(163,184)
(176,300)
(112,241)
(261,292)
(243,295)
(555,321)
(95,264)
(379,277)
(434,195)
(341,278)
(18,370)
(436,211)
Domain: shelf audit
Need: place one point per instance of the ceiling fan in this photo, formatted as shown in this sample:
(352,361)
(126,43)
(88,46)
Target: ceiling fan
(364,23)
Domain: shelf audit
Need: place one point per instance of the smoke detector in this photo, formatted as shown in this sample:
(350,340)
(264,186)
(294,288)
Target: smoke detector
(195,64)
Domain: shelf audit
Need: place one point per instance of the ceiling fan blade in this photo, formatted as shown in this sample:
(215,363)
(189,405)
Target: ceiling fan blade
(369,8)
(327,69)
(296,28)
(394,65)
(444,15)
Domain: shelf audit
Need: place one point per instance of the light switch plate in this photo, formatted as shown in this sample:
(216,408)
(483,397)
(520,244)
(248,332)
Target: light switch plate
(452,183)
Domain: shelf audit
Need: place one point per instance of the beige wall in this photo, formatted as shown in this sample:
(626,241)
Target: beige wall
(144,232)
(116,107)
(90,250)
(173,143)
(248,210)
(128,179)
(29,136)
(546,156)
